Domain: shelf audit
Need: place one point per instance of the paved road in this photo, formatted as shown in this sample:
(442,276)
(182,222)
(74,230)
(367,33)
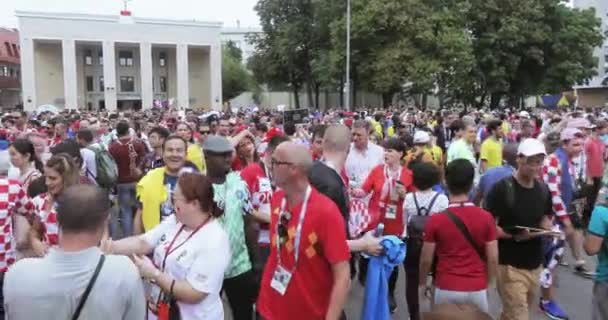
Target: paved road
(573,293)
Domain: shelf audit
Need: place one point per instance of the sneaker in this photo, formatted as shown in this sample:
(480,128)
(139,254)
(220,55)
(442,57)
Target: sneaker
(552,310)
(563,263)
(392,304)
(583,271)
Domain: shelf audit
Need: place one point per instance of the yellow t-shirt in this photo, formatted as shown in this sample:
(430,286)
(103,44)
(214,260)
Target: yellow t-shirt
(437,155)
(491,151)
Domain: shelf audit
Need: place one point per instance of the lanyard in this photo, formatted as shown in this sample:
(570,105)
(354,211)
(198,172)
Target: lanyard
(170,248)
(298,228)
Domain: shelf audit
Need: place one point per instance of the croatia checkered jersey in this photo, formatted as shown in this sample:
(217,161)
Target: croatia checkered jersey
(552,175)
(13,199)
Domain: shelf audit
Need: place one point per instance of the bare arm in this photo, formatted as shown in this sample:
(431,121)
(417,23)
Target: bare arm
(182,290)
(127,246)
(339,291)
(426,259)
(492,259)
(35,235)
(138,226)
(592,244)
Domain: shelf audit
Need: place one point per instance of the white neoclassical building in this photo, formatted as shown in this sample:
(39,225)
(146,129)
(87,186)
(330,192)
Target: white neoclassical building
(108,62)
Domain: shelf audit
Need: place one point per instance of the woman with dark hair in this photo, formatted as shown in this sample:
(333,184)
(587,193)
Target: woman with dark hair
(60,172)
(191,250)
(23,157)
(195,152)
(387,183)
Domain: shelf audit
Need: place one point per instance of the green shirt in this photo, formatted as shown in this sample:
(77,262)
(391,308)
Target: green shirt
(460,149)
(233,197)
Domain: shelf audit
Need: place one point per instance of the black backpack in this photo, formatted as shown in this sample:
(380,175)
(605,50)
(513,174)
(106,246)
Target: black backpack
(417,223)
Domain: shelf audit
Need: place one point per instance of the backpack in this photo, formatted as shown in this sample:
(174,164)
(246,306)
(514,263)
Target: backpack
(107,170)
(417,223)
(510,192)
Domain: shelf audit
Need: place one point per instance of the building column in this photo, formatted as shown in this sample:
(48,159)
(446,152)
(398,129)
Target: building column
(70,80)
(145,59)
(28,74)
(183,89)
(215,68)
(109,75)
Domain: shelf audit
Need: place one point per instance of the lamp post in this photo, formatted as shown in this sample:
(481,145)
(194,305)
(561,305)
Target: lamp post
(347,86)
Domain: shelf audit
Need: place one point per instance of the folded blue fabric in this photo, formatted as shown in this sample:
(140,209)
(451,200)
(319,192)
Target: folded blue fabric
(375,306)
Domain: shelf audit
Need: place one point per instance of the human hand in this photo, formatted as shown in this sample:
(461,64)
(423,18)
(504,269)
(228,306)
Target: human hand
(424,292)
(145,266)
(40,248)
(356,192)
(400,188)
(372,244)
(502,234)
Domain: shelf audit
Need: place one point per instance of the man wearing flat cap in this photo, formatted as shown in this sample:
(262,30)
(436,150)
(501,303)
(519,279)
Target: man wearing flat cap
(231,195)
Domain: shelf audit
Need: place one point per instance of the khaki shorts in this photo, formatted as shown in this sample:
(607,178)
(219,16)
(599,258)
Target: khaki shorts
(517,289)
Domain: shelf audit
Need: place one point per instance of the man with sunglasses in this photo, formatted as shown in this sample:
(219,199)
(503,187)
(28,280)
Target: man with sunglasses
(307,275)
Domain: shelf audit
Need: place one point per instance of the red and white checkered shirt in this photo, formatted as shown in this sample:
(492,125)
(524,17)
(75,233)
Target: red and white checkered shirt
(48,218)
(13,199)
(552,175)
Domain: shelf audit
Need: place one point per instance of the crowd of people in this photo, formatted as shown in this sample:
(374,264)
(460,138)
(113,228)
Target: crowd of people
(161,214)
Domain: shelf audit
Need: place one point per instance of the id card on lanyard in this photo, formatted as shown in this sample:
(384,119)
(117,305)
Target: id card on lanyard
(390,211)
(282,276)
(163,303)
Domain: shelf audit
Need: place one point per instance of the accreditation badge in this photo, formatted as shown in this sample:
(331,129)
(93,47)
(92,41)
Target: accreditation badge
(280,280)
(391,212)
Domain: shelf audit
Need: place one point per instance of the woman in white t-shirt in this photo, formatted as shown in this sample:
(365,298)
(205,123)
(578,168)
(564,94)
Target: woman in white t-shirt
(424,202)
(191,251)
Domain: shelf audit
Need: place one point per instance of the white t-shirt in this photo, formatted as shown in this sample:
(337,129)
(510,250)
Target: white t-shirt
(200,260)
(424,199)
(89,163)
(359,164)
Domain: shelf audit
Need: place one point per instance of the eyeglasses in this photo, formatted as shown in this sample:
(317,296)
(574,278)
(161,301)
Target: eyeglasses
(275,162)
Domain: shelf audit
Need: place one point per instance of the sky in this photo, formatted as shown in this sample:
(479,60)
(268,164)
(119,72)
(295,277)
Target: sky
(226,11)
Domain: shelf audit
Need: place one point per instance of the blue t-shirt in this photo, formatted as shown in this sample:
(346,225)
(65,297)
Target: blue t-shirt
(598,226)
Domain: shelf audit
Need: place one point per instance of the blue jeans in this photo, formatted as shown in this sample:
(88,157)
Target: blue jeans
(126,204)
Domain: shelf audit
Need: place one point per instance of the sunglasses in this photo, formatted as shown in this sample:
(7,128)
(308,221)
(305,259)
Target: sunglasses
(282,228)
(204,132)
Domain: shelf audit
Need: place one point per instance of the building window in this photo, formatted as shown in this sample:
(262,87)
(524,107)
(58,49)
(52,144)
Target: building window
(3,71)
(18,74)
(88,57)
(102,87)
(8,49)
(127,84)
(15,50)
(162,59)
(125,58)
(163,84)
(89,84)
(100,57)
(11,72)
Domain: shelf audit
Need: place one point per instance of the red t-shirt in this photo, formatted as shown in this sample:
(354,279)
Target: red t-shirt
(261,192)
(119,150)
(594,148)
(323,244)
(374,183)
(459,267)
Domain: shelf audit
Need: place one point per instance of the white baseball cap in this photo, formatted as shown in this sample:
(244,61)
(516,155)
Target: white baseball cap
(421,137)
(531,147)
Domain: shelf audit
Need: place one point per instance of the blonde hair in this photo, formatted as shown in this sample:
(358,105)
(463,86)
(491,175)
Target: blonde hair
(64,164)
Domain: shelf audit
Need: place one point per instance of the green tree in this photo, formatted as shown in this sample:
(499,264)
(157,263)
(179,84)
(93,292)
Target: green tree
(235,77)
